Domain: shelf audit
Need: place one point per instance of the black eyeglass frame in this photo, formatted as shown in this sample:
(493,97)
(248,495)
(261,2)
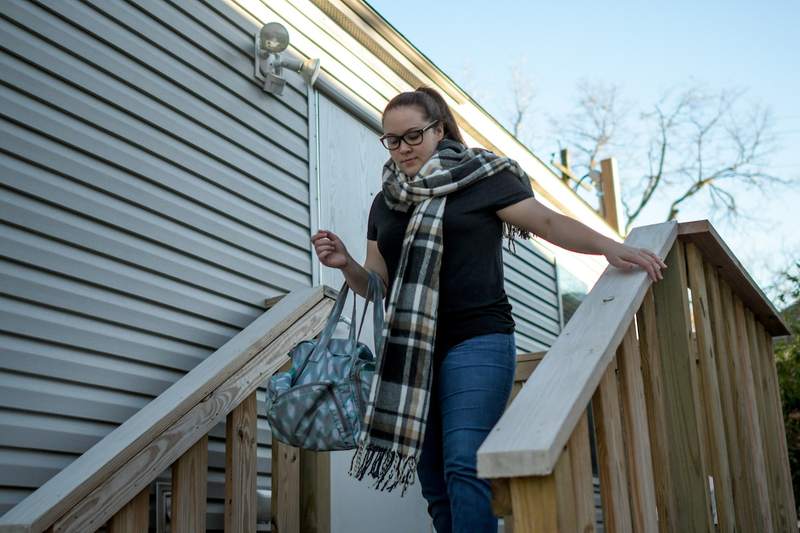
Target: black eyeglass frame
(401,138)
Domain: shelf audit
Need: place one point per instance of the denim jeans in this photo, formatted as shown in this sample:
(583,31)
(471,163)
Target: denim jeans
(469,394)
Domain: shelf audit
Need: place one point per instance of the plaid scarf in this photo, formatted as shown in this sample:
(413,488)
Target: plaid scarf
(394,424)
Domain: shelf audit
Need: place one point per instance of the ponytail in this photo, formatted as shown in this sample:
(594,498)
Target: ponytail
(433,107)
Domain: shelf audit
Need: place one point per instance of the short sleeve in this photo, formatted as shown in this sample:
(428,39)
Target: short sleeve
(504,189)
(372,227)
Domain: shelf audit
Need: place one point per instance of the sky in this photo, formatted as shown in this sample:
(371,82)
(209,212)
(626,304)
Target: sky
(644,48)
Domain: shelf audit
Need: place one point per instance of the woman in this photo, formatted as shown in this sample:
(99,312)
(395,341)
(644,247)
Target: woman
(435,238)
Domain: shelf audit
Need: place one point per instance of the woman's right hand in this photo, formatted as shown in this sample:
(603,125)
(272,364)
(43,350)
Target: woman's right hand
(330,249)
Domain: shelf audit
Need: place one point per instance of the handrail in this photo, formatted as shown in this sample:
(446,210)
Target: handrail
(529,437)
(111,473)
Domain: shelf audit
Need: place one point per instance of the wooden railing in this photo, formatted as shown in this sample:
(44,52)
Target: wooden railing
(684,397)
(109,484)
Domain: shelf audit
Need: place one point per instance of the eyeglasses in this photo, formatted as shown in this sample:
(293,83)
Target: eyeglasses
(412,138)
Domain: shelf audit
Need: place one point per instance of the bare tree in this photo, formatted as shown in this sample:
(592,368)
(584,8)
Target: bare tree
(694,141)
(596,123)
(523,93)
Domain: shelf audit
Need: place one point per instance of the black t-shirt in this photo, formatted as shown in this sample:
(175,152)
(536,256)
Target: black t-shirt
(472,300)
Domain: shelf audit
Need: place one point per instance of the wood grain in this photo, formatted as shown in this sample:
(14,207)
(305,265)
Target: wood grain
(240,467)
(655,401)
(685,457)
(611,460)
(751,443)
(133,517)
(709,395)
(285,488)
(635,435)
(189,489)
(726,374)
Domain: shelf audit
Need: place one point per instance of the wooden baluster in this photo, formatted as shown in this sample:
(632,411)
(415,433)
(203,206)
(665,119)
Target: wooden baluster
(768,430)
(750,442)
(285,488)
(134,517)
(686,457)
(240,468)
(611,453)
(315,492)
(716,443)
(635,435)
(189,489)
(656,413)
(785,495)
(582,485)
(726,372)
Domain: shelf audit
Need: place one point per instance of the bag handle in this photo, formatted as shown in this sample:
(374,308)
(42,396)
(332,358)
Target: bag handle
(375,295)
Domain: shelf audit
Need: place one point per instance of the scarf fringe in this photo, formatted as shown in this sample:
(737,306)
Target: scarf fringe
(512,233)
(386,467)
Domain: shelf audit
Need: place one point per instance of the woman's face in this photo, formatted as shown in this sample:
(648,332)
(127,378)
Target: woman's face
(400,120)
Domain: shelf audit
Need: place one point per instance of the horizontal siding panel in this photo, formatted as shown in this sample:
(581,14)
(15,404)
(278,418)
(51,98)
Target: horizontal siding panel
(37,321)
(67,227)
(19,429)
(30,468)
(531,286)
(230,167)
(147,182)
(217,83)
(73,263)
(40,395)
(106,211)
(68,296)
(35,357)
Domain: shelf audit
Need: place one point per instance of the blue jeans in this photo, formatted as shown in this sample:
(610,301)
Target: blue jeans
(469,394)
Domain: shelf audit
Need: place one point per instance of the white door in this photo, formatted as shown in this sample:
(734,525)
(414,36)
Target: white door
(349,160)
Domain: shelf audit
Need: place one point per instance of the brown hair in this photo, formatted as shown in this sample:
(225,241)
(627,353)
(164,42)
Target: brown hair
(433,107)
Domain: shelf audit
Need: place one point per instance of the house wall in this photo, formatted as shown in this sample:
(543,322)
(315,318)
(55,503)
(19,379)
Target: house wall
(151,197)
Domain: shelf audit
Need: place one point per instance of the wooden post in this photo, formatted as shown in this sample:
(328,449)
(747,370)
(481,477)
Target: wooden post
(635,435)
(315,492)
(582,480)
(686,460)
(189,489)
(565,162)
(709,392)
(611,453)
(612,205)
(656,413)
(240,468)
(134,517)
(285,488)
(544,504)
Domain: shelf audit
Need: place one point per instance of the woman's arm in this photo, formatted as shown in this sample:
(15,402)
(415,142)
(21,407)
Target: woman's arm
(570,234)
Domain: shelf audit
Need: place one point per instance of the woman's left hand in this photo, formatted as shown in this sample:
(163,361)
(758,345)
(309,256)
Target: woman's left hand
(628,257)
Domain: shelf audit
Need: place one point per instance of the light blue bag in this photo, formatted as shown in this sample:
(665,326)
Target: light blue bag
(320,402)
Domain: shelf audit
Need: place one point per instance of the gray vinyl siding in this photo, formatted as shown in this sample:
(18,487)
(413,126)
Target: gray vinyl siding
(151,197)
(532,288)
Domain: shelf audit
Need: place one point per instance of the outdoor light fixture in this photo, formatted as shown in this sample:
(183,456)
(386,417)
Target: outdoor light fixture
(268,63)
